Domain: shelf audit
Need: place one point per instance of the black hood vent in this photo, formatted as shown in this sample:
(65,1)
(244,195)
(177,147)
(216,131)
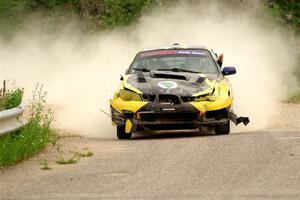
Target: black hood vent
(141,77)
(169,76)
(200,80)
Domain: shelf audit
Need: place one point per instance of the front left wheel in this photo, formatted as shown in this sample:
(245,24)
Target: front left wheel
(223,129)
(122,135)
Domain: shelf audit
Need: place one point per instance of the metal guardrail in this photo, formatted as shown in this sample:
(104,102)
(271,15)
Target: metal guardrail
(11,120)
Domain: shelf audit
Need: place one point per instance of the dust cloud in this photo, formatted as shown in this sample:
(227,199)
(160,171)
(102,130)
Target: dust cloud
(81,73)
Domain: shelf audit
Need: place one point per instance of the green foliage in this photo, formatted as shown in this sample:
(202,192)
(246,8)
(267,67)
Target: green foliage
(122,13)
(285,12)
(117,13)
(13,13)
(84,154)
(32,137)
(13,99)
(296,97)
(64,161)
(12,8)
(10,98)
(45,165)
(111,14)
(76,156)
(51,4)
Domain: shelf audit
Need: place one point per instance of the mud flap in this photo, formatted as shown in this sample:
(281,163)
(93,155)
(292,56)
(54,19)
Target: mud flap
(237,120)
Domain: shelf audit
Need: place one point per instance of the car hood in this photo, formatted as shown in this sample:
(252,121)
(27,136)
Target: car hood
(173,83)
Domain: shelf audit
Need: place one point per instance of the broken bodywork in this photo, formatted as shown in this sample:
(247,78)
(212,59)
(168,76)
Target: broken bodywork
(173,99)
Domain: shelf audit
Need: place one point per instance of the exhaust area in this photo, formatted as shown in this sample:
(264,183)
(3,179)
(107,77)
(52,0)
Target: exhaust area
(81,73)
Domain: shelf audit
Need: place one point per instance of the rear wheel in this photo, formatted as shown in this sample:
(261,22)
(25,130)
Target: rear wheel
(122,135)
(225,128)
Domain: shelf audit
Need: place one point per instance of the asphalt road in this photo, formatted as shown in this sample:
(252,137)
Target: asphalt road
(255,165)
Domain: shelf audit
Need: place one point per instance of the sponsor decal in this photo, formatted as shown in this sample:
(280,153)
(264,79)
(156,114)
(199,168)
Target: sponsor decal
(200,53)
(169,109)
(173,52)
(167,84)
(158,53)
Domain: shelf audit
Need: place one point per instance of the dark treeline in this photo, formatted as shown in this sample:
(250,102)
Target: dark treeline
(103,14)
(286,12)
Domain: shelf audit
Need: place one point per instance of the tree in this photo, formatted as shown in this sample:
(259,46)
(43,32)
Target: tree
(90,8)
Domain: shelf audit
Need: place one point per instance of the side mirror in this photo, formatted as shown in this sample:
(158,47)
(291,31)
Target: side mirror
(121,78)
(228,71)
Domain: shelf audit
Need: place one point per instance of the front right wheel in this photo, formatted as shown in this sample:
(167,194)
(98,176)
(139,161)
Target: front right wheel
(122,135)
(223,129)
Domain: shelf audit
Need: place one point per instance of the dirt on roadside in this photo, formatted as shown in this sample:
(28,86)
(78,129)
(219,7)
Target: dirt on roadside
(289,117)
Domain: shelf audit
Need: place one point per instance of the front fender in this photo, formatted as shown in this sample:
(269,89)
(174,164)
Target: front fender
(205,106)
(121,105)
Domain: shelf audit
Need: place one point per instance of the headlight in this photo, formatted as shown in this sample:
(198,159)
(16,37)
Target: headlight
(127,95)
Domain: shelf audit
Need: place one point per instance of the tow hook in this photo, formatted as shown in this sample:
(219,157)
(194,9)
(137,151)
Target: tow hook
(237,120)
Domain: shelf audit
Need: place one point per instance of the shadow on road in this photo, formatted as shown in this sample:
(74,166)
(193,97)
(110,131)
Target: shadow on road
(149,135)
(170,134)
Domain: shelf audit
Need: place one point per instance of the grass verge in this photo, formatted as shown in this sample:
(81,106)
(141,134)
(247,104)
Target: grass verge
(31,138)
(10,98)
(296,97)
(84,154)
(45,165)
(75,157)
(64,161)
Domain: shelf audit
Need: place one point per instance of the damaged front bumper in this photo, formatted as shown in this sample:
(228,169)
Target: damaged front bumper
(169,117)
(237,120)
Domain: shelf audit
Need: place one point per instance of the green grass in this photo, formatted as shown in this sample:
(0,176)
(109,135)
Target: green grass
(10,98)
(74,158)
(31,138)
(63,161)
(84,154)
(295,98)
(23,143)
(45,165)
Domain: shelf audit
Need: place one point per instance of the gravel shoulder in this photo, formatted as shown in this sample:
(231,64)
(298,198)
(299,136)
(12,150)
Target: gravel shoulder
(289,117)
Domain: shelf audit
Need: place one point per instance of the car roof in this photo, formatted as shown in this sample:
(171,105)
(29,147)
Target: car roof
(175,46)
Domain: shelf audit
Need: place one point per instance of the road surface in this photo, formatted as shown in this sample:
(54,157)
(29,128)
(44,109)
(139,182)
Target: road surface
(255,165)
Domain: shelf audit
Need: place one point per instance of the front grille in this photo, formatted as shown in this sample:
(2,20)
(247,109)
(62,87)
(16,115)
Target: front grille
(171,99)
(155,117)
(149,97)
(188,99)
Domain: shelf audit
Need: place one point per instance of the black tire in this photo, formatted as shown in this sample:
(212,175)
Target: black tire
(122,135)
(222,129)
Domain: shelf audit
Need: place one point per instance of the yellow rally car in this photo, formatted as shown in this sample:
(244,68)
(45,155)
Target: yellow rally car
(174,88)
